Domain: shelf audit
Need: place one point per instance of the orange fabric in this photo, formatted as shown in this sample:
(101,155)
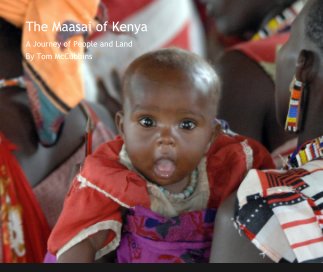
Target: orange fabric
(84,206)
(24,230)
(14,11)
(70,91)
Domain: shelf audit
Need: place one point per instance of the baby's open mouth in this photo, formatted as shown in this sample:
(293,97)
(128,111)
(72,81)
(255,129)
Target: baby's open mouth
(164,168)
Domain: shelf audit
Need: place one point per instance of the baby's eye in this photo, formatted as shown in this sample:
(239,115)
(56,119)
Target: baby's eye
(147,122)
(187,124)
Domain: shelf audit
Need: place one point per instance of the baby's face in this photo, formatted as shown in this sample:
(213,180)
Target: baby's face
(167,126)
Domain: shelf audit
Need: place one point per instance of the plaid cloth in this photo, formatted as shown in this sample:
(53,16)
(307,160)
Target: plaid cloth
(280,211)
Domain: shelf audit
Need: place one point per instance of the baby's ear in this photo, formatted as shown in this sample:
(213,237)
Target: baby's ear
(119,118)
(216,131)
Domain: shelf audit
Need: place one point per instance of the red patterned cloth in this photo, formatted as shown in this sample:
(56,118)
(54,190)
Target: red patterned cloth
(105,186)
(23,229)
(169,24)
(281,212)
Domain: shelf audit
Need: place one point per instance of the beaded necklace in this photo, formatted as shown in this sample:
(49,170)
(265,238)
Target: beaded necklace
(186,193)
(15,81)
(307,152)
(280,22)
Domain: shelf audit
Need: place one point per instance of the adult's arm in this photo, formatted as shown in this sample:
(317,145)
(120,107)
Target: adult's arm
(227,245)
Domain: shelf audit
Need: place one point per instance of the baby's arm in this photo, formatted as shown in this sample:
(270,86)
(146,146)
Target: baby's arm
(84,252)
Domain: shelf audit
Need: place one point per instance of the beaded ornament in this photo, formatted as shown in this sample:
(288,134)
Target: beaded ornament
(280,22)
(16,81)
(293,117)
(309,151)
(188,191)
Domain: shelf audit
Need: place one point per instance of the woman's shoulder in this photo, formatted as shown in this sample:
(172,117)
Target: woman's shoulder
(254,57)
(262,50)
(17,125)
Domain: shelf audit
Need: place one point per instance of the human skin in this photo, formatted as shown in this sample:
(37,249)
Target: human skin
(167,115)
(299,57)
(164,113)
(306,58)
(248,102)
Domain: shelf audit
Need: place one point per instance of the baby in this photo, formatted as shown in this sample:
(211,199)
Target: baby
(152,193)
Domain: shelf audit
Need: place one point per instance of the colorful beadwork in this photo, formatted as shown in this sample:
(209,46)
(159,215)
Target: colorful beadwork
(309,151)
(188,191)
(293,116)
(280,22)
(16,81)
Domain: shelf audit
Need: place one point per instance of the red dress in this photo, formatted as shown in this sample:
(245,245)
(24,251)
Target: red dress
(23,229)
(105,187)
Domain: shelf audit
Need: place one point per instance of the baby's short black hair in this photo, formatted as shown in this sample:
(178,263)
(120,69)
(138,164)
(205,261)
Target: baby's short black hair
(177,59)
(314,24)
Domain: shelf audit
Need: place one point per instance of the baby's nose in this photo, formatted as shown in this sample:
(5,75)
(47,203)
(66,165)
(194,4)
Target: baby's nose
(166,141)
(166,137)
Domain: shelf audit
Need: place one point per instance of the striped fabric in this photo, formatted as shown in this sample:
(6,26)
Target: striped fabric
(169,23)
(307,152)
(280,22)
(281,212)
